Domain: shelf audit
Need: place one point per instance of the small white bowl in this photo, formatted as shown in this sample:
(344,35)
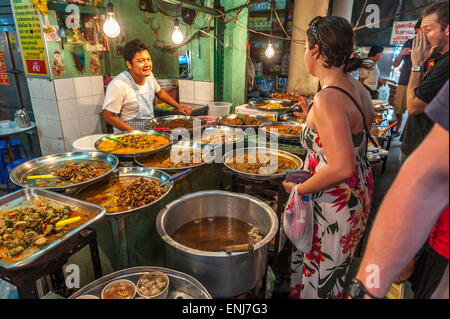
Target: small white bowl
(163,294)
(87,297)
(117,282)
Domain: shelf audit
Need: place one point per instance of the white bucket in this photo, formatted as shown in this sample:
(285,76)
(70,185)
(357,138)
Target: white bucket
(86,143)
(219,108)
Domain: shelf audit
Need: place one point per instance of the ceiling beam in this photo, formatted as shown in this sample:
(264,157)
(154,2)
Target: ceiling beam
(192,5)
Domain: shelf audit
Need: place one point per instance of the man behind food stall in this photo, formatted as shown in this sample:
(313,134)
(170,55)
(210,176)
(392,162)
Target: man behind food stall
(129,97)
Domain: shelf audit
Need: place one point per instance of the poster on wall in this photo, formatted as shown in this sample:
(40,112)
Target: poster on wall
(30,38)
(4,79)
(402,31)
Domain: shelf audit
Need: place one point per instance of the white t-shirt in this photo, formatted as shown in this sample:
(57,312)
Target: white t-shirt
(120,97)
(372,75)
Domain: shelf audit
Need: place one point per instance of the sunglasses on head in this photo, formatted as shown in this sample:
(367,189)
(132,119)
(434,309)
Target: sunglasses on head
(313,27)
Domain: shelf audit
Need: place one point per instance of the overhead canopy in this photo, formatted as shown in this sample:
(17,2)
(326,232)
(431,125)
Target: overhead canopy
(381,35)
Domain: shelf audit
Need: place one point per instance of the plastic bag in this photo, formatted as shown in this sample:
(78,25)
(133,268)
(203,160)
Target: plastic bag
(298,221)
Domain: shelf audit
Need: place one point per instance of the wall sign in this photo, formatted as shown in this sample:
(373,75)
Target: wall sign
(402,31)
(4,79)
(30,38)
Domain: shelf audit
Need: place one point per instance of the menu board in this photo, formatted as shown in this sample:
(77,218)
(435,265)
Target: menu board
(4,80)
(31,40)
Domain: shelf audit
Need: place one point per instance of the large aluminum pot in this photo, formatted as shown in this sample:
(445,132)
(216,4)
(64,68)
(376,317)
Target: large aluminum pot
(223,275)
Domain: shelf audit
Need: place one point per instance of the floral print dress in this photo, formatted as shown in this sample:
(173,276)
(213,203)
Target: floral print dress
(340,217)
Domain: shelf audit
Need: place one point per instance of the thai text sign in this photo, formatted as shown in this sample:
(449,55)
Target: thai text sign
(31,40)
(402,31)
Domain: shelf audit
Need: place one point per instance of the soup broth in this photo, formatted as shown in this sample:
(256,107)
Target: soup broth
(215,233)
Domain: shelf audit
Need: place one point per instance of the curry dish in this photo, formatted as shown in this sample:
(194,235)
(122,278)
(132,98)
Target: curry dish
(263,165)
(133,143)
(25,231)
(242,120)
(179,160)
(286,96)
(123,193)
(66,173)
(273,106)
(285,130)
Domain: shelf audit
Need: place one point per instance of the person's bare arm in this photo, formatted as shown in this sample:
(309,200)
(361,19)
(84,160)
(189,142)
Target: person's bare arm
(115,121)
(398,60)
(335,135)
(409,211)
(414,105)
(163,95)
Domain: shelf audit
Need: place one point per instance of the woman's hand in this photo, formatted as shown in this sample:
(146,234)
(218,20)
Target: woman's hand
(304,106)
(288,187)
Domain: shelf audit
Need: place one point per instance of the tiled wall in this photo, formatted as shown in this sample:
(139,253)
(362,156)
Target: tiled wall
(196,92)
(65,110)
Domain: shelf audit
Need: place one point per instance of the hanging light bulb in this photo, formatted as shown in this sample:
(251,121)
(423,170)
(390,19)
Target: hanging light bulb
(270,52)
(111,27)
(177,36)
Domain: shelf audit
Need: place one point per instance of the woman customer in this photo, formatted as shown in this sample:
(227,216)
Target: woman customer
(335,137)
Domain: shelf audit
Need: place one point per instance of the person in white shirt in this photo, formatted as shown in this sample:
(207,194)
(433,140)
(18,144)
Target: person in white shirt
(129,97)
(370,78)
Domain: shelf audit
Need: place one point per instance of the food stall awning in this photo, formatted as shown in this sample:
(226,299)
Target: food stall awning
(399,10)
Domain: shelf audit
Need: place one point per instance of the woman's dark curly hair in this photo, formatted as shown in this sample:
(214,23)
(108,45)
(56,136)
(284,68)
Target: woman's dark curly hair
(336,41)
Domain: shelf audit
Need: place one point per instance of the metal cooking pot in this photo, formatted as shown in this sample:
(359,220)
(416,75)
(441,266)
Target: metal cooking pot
(223,275)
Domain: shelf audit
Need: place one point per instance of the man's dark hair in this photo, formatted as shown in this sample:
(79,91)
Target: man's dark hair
(133,47)
(375,50)
(418,24)
(441,9)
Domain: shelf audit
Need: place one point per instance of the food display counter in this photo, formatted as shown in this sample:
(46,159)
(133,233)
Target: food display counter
(128,237)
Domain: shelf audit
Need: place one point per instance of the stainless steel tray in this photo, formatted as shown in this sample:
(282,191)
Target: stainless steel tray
(18,173)
(131,171)
(228,158)
(159,122)
(263,119)
(131,155)
(282,136)
(28,196)
(209,130)
(209,154)
(181,285)
(257,105)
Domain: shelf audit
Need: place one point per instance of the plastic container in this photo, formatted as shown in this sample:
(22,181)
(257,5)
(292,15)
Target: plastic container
(219,108)
(5,124)
(86,143)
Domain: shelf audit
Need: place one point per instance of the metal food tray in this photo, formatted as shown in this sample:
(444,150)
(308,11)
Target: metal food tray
(182,144)
(228,158)
(28,196)
(159,122)
(137,132)
(264,120)
(282,136)
(181,285)
(257,105)
(222,129)
(131,171)
(19,172)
